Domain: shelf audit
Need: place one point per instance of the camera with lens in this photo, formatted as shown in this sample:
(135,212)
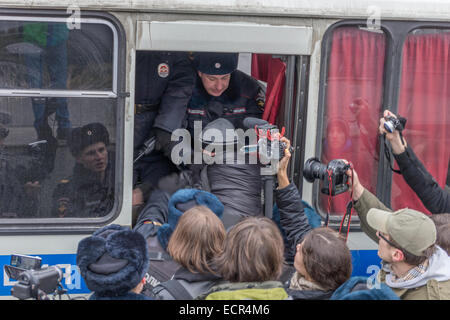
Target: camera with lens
(33,282)
(332,175)
(392,124)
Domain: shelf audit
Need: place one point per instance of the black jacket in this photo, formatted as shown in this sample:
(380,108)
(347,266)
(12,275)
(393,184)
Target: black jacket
(243,98)
(293,219)
(433,197)
(193,284)
(83,195)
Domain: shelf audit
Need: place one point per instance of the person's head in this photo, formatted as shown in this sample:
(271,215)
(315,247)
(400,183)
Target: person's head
(113,260)
(214,70)
(324,258)
(179,203)
(197,239)
(253,251)
(443,237)
(405,236)
(337,133)
(88,145)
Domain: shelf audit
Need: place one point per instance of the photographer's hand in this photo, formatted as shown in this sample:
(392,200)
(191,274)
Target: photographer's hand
(394,137)
(356,189)
(282,176)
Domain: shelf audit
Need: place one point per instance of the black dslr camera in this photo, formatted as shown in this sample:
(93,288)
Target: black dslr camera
(33,281)
(333,175)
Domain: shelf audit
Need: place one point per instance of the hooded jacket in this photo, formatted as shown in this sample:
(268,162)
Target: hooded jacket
(434,284)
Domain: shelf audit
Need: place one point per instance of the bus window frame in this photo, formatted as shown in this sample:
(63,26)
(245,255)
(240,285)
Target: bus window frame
(396,32)
(16,226)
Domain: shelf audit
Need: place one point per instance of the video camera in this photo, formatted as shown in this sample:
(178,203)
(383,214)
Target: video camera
(333,175)
(267,134)
(34,282)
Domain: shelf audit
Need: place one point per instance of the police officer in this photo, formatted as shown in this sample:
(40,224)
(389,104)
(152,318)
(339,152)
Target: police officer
(89,192)
(222,91)
(164,83)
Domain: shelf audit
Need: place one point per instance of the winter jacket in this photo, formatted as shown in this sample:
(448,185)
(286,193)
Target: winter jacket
(268,290)
(299,288)
(433,197)
(357,288)
(83,195)
(293,219)
(243,98)
(194,285)
(434,284)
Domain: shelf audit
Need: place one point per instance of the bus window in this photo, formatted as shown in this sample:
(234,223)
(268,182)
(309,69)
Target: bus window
(353,99)
(47,55)
(423,99)
(58,119)
(63,176)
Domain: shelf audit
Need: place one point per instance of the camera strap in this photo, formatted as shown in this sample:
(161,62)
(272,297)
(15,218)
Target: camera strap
(387,151)
(387,154)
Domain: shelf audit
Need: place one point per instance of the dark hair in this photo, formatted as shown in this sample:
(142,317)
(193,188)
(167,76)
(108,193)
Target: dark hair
(253,252)
(327,258)
(440,219)
(443,237)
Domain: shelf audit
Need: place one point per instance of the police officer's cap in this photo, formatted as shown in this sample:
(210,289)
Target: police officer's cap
(87,135)
(215,63)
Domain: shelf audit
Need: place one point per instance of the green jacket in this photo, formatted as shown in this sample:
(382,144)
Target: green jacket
(434,285)
(268,290)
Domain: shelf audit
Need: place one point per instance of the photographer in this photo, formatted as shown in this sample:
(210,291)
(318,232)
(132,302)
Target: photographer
(434,198)
(413,265)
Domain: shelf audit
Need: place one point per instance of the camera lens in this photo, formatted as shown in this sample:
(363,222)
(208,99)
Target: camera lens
(389,126)
(313,169)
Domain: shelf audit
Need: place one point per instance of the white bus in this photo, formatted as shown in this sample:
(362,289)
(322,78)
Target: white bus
(331,68)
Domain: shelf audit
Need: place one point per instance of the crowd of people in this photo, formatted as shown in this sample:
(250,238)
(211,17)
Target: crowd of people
(197,234)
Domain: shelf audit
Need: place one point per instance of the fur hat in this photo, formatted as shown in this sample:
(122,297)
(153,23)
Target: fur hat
(181,201)
(87,135)
(113,260)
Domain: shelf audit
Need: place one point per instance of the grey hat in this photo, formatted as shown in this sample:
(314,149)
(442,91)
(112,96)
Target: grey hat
(215,133)
(215,63)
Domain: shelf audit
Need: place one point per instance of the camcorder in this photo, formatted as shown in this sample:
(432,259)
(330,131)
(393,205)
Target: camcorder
(267,134)
(33,282)
(333,175)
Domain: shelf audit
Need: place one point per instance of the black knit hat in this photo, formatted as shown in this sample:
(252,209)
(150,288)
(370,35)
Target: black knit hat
(87,135)
(215,63)
(113,260)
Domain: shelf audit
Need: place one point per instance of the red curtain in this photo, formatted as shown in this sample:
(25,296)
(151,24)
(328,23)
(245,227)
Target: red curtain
(272,71)
(424,101)
(353,106)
